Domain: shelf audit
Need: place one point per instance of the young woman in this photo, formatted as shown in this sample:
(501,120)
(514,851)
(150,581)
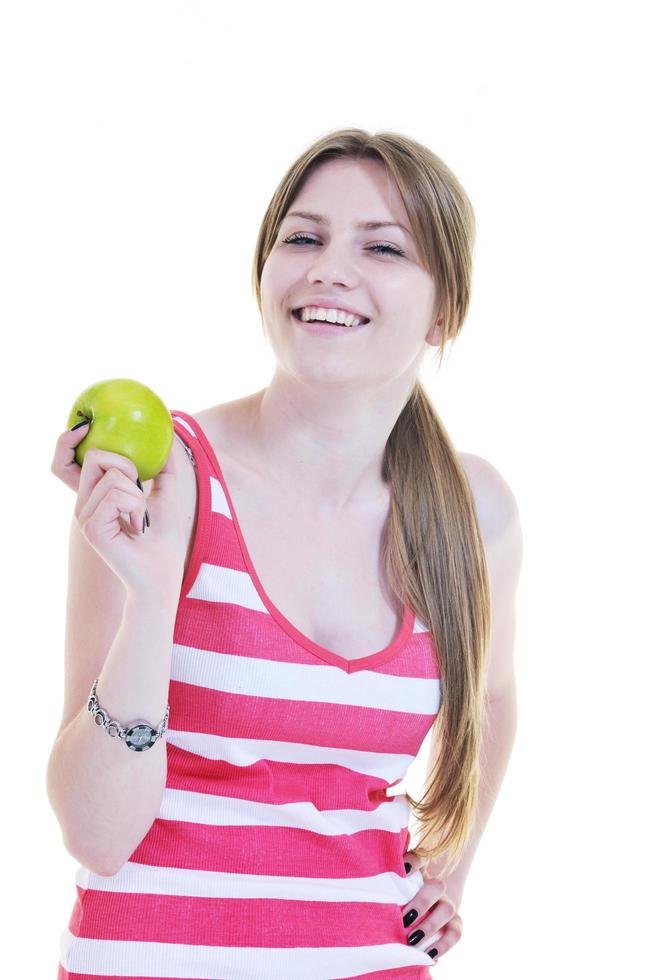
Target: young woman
(322,580)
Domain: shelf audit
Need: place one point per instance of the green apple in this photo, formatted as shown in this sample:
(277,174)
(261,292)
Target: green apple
(126,418)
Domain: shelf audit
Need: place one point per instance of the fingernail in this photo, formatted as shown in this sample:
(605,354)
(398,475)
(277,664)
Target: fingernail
(410,917)
(407,866)
(146,519)
(79,425)
(415,937)
(432,953)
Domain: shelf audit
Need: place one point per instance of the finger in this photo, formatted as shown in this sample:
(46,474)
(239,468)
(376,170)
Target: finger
(113,479)
(98,462)
(64,465)
(429,935)
(442,939)
(412,859)
(428,920)
(105,506)
(169,466)
(415,860)
(164,484)
(430,893)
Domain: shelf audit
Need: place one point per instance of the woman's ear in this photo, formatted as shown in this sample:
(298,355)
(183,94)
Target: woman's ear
(434,336)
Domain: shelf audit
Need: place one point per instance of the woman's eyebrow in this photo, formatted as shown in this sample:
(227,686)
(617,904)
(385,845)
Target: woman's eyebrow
(362,225)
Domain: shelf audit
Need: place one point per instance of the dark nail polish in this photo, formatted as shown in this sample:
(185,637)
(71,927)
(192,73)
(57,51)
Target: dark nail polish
(143,531)
(79,425)
(410,917)
(415,937)
(432,953)
(138,483)
(407,866)
(147,518)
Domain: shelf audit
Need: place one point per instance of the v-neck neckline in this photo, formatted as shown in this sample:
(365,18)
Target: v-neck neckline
(371,660)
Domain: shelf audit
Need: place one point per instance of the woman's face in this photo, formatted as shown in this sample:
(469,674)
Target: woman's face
(336,260)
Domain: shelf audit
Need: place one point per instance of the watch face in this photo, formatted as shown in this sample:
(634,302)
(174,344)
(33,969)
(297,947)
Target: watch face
(139,737)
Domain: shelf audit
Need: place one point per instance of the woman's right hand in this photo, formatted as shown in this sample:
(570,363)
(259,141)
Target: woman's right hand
(146,562)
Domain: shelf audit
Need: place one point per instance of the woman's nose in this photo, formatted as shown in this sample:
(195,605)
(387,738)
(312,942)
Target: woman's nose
(333,265)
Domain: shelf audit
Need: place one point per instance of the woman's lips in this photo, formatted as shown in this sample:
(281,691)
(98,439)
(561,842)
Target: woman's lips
(323,328)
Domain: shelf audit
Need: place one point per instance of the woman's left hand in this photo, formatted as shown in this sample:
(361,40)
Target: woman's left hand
(437,917)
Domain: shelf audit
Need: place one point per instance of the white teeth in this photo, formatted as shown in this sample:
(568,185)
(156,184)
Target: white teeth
(308,313)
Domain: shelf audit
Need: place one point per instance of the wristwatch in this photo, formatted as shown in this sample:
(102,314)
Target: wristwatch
(138,736)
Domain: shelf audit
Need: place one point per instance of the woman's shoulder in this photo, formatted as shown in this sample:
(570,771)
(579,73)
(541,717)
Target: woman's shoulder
(499,524)
(495,501)
(187,474)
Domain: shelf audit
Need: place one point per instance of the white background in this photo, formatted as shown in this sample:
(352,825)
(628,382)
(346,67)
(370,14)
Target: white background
(142,143)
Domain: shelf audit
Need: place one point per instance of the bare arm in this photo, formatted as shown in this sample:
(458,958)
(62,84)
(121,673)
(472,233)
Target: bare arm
(499,523)
(123,595)
(104,795)
(497,745)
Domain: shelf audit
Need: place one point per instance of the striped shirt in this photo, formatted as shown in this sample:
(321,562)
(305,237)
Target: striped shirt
(276,851)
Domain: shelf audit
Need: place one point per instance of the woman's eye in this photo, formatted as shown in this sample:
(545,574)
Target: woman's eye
(297,238)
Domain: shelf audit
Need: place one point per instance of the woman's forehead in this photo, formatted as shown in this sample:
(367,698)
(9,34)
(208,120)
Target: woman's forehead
(363,189)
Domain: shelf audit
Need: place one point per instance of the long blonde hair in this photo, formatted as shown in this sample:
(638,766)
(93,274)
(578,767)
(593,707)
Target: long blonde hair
(433,552)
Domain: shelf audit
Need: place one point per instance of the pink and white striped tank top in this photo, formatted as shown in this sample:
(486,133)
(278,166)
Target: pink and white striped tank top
(276,851)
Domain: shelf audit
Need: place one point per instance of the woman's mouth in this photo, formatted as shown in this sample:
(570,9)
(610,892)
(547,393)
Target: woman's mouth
(327,328)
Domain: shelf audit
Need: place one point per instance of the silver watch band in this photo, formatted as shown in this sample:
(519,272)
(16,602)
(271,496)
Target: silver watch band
(138,736)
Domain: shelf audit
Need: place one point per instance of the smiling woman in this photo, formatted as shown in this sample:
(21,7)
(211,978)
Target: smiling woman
(316,249)
(335,609)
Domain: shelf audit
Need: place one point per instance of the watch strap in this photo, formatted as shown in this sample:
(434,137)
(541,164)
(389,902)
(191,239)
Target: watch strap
(139,735)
